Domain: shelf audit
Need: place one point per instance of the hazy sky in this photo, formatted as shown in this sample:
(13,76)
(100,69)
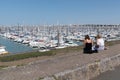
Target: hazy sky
(64,11)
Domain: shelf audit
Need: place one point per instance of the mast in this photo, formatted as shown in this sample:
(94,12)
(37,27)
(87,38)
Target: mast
(58,34)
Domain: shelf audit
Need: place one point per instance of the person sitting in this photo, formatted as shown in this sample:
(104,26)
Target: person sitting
(100,43)
(87,44)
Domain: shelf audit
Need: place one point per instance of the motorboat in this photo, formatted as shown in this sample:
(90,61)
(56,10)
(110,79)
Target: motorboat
(2,50)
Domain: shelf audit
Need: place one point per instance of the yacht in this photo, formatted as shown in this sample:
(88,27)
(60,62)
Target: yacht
(2,50)
(43,49)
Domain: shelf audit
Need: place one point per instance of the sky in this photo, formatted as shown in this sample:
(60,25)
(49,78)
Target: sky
(40,12)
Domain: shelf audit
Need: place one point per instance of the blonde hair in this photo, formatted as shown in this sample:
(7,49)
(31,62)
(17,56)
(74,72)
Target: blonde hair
(99,36)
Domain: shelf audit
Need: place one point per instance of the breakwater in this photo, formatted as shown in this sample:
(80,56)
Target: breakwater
(88,71)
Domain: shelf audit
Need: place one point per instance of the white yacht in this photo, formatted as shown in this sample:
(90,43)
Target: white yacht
(2,50)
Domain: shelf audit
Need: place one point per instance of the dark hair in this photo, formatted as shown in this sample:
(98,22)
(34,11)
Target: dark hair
(87,37)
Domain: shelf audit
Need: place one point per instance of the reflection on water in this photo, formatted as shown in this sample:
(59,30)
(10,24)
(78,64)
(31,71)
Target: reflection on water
(14,47)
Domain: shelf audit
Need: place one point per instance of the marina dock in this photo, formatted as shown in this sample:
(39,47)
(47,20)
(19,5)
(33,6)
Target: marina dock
(58,36)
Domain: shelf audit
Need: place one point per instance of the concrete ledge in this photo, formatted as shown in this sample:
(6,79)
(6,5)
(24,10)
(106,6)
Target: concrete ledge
(88,71)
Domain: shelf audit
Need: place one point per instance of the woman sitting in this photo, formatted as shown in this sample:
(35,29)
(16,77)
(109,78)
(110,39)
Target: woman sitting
(87,44)
(100,43)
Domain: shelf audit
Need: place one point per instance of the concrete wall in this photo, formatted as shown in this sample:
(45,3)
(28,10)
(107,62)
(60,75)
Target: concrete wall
(88,71)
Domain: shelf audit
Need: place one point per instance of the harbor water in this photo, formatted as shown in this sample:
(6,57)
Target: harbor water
(14,47)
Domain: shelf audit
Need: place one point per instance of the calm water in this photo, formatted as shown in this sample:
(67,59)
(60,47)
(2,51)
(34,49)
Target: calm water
(14,47)
(109,75)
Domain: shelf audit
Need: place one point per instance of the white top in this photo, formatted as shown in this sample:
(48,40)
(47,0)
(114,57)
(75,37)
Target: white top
(101,43)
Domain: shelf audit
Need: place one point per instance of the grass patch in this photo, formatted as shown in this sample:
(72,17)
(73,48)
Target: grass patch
(1,67)
(111,43)
(24,56)
(40,78)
